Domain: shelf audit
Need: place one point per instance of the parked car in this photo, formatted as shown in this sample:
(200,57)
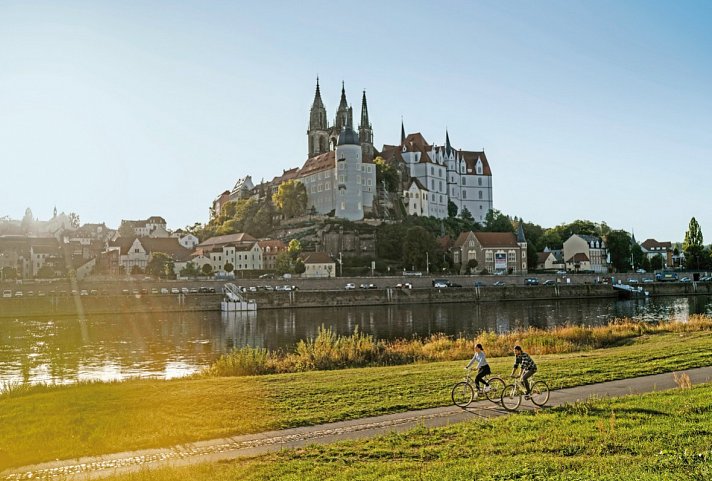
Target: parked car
(18,294)
(685,279)
(561,273)
(203,290)
(175,290)
(531,281)
(83,292)
(164,290)
(185,290)
(439,285)
(499,283)
(404,285)
(363,286)
(350,285)
(549,282)
(647,280)
(372,286)
(640,271)
(706,279)
(7,293)
(267,276)
(632,281)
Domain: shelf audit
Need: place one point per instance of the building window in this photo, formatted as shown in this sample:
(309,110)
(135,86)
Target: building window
(480,195)
(464,194)
(479,181)
(463,181)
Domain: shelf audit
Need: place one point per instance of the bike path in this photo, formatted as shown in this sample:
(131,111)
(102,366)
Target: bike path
(261,443)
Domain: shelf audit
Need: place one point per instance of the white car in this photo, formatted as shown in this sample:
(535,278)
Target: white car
(7,293)
(164,290)
(350,285)
(175,290)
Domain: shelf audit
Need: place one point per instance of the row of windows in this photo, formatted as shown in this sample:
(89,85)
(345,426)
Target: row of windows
(464,194)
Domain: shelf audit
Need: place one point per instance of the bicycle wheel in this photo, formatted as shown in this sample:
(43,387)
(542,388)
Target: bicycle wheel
(496,386)
(462,394)
(540,393)
(511,397)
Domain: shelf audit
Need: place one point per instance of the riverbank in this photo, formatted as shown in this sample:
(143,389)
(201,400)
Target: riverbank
(100,418)
(116,297)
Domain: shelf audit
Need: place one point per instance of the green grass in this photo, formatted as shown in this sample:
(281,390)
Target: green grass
(657,436)
(90,419)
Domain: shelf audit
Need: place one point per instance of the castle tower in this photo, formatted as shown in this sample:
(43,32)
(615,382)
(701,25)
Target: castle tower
(348,197)
(365,131)
(318,133)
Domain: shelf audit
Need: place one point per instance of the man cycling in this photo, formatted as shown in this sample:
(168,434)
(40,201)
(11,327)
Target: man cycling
(527,368)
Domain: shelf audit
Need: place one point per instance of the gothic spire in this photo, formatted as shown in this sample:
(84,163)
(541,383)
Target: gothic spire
(402,132)
(343,104)
(317,97)
(448,148)
(520,233)
(364,113)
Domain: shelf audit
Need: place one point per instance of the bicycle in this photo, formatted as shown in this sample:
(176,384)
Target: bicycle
(464,392)
(512,394)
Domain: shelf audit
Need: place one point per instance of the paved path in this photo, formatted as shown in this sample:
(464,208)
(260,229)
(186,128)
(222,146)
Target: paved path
(256,444)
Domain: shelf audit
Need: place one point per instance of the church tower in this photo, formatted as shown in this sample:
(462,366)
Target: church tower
(343,113)
(318,132)
(365,131)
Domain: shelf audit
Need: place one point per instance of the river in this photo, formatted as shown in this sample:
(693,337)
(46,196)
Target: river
(169,345)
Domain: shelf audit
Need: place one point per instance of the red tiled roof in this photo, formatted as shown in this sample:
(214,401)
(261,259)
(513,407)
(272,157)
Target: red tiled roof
(496,239)
(318,163)
(651,244)
(461,239)
(316,258)
(579,257)
(227,239)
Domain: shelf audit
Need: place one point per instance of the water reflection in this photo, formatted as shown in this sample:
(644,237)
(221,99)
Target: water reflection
(167,345)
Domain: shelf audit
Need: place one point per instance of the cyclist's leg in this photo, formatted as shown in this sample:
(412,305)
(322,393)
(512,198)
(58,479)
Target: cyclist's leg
(481,373)
(525,376)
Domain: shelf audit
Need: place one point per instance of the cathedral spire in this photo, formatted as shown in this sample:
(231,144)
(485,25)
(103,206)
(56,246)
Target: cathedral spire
(342,114)
(317,96)
(448,148)
(318,125)
(343,104)
(402,132)
(365,131)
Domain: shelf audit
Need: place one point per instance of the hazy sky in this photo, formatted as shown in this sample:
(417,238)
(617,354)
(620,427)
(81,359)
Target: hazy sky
(598,110)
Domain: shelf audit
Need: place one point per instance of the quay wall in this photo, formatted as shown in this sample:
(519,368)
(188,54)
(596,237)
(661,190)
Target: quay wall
(113,301)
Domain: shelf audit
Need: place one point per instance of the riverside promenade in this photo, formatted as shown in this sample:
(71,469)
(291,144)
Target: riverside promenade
(261,443)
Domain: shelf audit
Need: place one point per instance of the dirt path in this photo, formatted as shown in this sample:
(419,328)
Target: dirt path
(261,443)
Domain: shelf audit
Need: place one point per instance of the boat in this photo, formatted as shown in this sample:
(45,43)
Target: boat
(626,291)
(234,301)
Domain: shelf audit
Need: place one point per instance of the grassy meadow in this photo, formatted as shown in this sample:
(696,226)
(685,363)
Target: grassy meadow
(659,436)
(98,418)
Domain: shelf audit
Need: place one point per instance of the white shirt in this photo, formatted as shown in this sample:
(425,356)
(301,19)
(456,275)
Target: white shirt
(480,358)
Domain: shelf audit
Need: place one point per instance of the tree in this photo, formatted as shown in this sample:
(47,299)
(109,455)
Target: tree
(229,267)
(283,263)
(299,267)
(637,256)
(419,247)
(496,221)
(551,239)
(294,248)
(45,272)
(207,269)
(9,273)
(619,248)
(159,265)
(472,265)
(387,173)
(189,270)
(291,198)
(466,216)
(451,209)
(692,245)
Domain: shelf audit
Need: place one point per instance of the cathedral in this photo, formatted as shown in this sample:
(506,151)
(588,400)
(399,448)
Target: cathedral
(339,174)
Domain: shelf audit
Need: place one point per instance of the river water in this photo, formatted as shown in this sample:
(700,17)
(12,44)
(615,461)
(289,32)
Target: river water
(117,347)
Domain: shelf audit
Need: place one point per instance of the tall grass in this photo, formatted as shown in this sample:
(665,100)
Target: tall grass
(329,350)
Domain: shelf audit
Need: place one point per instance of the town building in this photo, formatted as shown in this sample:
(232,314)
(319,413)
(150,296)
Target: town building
(271,248)
(494,252)
(134,253)
(154,226)
(585,253)
(318,264)
(652,248)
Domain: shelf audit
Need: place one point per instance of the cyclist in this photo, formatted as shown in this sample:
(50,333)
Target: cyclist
(483,368)
(527,368)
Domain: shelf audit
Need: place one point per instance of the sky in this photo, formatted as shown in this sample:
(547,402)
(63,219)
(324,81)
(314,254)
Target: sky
(598,110)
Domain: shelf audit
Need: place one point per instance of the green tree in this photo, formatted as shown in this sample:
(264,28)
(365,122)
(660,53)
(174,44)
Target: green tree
(9,273)
(419,247)
(207,269)
(637,256)
(299,267)
(451,209)
(466,216)
(190,270)
(159,264)
(657,262)
(228,267)
(619,248)
(388,173)
(291,198)
(692,245)
(294,248)
(283,263)
(551,239)
(496,221)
